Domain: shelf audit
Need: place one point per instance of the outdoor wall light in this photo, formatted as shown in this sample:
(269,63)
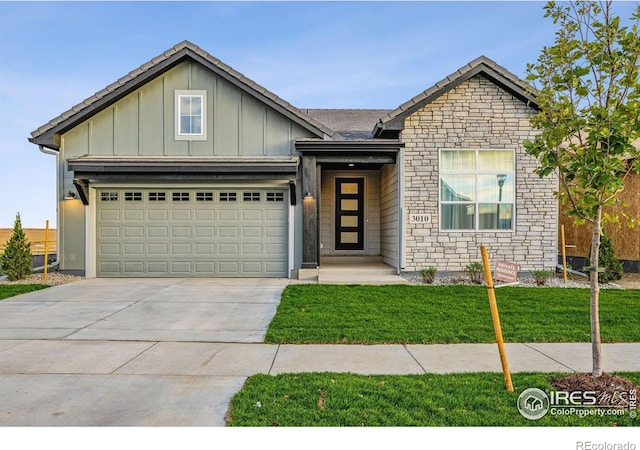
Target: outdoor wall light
(308,196)
(70,196)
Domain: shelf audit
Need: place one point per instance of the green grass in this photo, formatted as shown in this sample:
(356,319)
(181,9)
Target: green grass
(332,399)
(447,314)
(10,290)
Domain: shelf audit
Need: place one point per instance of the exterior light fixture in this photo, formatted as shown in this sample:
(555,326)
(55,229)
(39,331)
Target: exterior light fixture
(351,165)
(308,196)
(70,196)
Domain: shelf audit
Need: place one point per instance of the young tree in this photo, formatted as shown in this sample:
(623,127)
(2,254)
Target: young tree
(589,98)
(17,261)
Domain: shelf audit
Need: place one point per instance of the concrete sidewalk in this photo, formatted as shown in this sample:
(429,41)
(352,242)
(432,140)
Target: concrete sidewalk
(107,383)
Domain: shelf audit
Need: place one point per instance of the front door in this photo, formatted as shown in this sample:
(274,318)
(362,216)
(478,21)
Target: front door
(349,213)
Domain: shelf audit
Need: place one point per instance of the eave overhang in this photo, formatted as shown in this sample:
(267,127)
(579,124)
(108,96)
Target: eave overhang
(96,167)
(366,151)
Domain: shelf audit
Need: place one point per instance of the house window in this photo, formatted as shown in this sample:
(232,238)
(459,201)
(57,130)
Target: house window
(108,196)
(477,189)
(191,115)
(251,196)
(133,196)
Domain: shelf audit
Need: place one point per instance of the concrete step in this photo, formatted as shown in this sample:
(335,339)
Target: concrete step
(373,269)
(351,259)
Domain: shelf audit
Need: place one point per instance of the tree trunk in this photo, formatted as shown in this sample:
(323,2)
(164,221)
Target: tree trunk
(596,347)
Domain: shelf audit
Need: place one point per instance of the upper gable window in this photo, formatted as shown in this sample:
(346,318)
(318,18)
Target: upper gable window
(191,115)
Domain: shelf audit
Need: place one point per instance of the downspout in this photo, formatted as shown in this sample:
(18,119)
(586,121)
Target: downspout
(56,263)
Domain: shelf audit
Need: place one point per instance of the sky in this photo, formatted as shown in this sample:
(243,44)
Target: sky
(333,54)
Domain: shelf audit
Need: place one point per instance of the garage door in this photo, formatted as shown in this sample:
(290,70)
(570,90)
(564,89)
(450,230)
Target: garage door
(191,232)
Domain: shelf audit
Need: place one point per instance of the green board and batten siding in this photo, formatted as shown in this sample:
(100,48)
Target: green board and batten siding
(142,124)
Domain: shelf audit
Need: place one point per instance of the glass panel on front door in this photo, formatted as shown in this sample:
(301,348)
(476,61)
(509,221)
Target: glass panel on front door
(349,216)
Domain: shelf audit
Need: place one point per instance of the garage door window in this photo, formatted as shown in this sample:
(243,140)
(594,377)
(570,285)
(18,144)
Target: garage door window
(251,197)
(204,196)
(180,197)
(108,196)
(228,196)
(275,196)
(157,196)
(133,196)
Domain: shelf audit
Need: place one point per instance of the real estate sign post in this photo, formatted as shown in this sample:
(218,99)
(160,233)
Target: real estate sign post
(496,319)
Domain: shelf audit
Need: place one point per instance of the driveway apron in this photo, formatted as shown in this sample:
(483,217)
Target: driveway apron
(133,352)
(194,310)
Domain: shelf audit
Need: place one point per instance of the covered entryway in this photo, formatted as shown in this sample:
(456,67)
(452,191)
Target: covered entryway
(352,204)
(191,232)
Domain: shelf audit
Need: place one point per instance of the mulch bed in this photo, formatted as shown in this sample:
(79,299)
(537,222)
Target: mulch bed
(612,390)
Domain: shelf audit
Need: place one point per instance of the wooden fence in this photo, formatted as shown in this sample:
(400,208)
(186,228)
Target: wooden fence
(35,237)
(626,241)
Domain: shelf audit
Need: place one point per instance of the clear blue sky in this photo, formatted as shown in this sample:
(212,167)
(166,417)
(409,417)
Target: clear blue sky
(313,54)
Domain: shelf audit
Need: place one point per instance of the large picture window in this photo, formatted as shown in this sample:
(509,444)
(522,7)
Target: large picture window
(191,121)
(477,189)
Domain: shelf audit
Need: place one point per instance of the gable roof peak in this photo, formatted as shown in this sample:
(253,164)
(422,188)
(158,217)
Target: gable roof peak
(45,135)
(394,121)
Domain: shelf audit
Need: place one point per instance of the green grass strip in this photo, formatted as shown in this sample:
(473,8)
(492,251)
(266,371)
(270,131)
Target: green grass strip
(447,314)
(332,399)
(11,290)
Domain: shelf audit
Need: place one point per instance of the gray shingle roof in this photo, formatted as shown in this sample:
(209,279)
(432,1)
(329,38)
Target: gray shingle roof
(350,123)
(44,135)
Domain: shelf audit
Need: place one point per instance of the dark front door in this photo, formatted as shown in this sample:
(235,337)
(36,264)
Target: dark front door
(349,213)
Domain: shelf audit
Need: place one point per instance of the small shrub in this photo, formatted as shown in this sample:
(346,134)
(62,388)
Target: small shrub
(428,275)
(541,276)
(475,272)
(608,261)
(17,261)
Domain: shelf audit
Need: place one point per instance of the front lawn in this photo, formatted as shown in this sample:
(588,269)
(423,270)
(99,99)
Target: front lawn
(10,290)
(332,399)
(447,314)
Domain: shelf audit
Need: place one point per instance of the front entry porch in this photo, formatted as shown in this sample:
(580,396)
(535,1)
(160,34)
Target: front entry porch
(352,270)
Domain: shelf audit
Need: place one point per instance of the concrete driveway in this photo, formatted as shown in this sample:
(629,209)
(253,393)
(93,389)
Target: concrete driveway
(133,352)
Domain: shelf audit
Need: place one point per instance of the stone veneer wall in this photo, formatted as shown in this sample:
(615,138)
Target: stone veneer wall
(476,114)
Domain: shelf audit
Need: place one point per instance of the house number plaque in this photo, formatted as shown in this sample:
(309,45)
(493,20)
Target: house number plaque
(419,218)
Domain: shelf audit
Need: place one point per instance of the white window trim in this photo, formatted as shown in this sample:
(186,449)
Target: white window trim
(475,202)
(190,136)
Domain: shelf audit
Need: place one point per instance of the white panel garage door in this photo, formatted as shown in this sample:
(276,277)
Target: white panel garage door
(176,232)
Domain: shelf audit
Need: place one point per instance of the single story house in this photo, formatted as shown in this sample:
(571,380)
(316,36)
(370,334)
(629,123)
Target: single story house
(185,167)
